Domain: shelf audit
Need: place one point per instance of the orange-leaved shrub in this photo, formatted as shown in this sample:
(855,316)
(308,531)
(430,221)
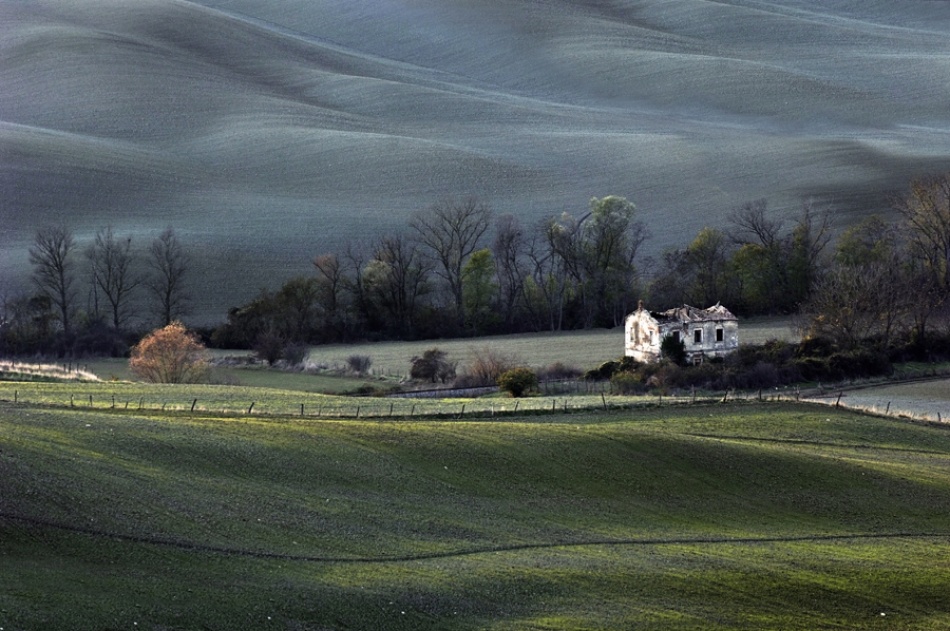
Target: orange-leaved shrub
(171,354)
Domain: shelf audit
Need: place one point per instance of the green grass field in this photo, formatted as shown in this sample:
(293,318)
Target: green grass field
(746,516)
(391,360)
(583,349)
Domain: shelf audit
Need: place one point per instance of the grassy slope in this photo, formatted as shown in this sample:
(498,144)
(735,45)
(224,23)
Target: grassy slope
(712,517)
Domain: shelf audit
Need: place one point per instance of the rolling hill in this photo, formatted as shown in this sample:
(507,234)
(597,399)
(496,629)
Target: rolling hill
(267,132)
(763,516)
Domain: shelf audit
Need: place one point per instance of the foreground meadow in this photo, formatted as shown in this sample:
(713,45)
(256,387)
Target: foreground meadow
(745,516)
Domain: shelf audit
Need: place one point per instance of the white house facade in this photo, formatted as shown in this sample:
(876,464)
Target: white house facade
(705,333)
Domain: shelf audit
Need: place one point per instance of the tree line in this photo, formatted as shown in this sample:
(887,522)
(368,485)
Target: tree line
(94,298)
(458,269)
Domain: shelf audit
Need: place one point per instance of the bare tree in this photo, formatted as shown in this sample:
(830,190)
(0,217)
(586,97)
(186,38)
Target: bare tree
(112,273)
(169,265)
(355,259)
(776,268)
(849,304)
(546,293)
(808,240)
(509,251)
(751,225)
(331,283)
(397,277)
(451,231)
(53,270)
(926,211)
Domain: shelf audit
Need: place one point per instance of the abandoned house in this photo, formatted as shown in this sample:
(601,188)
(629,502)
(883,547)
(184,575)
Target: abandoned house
(705,333)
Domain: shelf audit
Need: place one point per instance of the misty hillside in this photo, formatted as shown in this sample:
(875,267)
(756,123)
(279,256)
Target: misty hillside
(267,131)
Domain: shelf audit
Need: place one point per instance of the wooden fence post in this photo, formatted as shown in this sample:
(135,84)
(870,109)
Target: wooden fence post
(251,407)
(193,404)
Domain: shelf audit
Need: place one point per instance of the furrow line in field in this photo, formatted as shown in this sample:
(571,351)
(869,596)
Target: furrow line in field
(644,542)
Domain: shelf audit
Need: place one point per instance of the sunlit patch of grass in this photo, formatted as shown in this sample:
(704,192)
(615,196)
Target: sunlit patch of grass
(24,371)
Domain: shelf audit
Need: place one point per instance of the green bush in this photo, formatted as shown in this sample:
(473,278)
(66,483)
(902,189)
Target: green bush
(762,375)
(815,347)
(674,350)
(664,376)
(518,381)
(773,352)
(627,383)
(709,374)
(603,372)
(611,367)
(815,369)
(860,362)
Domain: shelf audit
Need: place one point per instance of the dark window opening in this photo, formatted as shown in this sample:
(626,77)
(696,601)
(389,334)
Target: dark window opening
(698,336)
(719,335)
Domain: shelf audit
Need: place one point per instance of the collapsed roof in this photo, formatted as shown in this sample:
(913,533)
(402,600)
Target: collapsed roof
(687,313)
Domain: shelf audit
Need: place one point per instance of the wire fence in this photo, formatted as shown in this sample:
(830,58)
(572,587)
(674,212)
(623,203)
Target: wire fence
(556,398)
(240,402)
